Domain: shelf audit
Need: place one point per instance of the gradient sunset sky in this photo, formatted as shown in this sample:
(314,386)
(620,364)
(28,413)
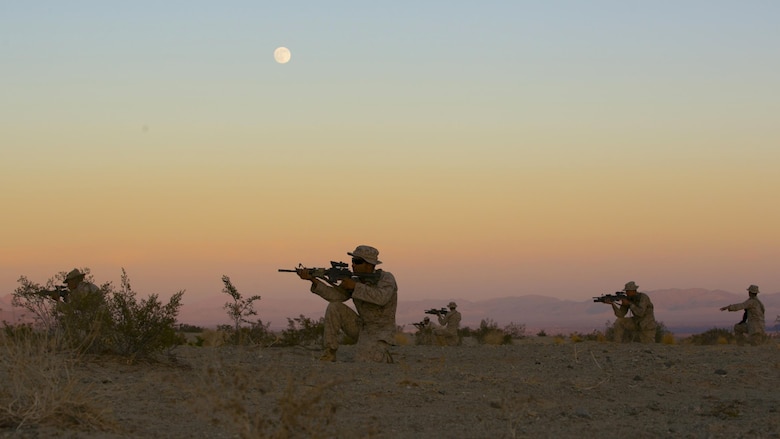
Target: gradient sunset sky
(487,149)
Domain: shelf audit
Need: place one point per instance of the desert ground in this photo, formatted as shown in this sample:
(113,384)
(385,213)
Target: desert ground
(535,387)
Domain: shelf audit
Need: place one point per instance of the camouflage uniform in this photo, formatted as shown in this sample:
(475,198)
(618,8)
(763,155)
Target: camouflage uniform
(85,288)
(82,289)
(755,324)
(374,323)
(450,322)
(642,320)
(424,335)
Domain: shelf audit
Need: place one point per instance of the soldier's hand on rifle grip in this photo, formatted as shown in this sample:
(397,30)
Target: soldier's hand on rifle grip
(347,284)
(624,302)
(303,273)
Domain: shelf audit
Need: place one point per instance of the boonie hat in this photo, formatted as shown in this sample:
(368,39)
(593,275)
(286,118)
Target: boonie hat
(631,286)
(753,289)
(74,274)
(452,305)
(367,253)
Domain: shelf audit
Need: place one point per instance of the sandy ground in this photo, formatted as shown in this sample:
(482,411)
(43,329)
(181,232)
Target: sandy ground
(533,388)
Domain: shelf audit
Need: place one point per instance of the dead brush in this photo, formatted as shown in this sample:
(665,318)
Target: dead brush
(271,401)
(38,386)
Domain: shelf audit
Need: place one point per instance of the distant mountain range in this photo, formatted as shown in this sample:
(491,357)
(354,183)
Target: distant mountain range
(683,311)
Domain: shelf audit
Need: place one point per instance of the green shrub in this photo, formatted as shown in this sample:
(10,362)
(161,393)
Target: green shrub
(139,329)
(302,331)
(488,333)
(238,310)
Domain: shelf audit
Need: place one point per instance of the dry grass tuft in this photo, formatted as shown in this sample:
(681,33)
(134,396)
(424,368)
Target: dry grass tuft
(38,387)
(401,339)
(271,402)
(668,338)
(495,337)
(559,340)
(213,338)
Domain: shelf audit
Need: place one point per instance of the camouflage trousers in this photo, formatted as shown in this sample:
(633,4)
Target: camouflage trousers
(755,337)
(628,324)
(340,317)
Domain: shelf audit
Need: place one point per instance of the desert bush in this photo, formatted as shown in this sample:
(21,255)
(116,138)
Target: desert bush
(184,327)
(238,310)
(487,333)
(139,329)
(108,321)
(594,335)
(515,330)
(302,331)
(541,333)
(661,332)
(713,336)
(38,386)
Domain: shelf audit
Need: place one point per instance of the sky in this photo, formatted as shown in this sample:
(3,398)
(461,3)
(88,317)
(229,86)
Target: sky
(487,149)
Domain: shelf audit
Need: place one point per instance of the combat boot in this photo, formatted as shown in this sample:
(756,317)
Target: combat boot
(329,355)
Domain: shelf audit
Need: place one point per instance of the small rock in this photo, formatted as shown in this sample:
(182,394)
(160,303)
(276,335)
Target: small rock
(637,378)
(583,413)
(720,372)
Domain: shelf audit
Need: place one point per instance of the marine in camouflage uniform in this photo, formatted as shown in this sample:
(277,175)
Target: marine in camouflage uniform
(373,325)
(642,320)
(77,286)
(424,335)
(753,324)
(447,334)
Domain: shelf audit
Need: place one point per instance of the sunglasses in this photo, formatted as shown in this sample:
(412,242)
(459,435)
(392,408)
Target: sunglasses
(358,261)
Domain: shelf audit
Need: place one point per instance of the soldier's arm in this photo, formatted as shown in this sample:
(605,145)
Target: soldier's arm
(379,294)
(739,306)
(329,293)
(640,308)
(620,311)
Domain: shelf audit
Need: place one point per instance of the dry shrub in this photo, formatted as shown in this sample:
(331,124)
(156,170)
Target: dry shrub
(211,337)
(558,339)
(714,336)
(38,386)
(401,339)
(668,338)
(575,338)
(495,337)
(271,402)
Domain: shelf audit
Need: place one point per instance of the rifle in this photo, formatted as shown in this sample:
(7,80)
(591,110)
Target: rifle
(59,292)
(617,297)
(422,325)
(336,272)
(434,311)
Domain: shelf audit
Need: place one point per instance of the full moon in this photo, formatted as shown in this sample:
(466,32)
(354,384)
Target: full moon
(282,55)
